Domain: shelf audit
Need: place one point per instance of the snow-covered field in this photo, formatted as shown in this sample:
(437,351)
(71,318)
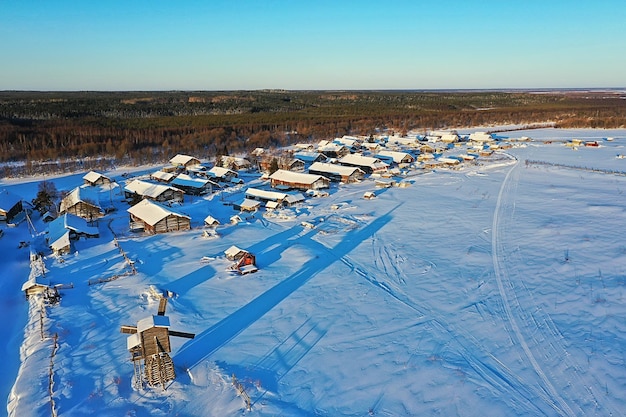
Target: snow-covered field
(492,290)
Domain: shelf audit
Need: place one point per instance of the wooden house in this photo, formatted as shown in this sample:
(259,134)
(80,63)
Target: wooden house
(222,174)
(335,172)
(368,164)
(396,157)
(93,178)
(193,185)
(334,150)
(181,161)
(265,196)
(235,163)
(162,176)
(156,192)
(282,179)
(84,202)
(152,217)
(291,164)
(310,157)
(10,205)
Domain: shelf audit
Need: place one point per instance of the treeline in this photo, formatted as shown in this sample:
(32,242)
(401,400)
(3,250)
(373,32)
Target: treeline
(147,127)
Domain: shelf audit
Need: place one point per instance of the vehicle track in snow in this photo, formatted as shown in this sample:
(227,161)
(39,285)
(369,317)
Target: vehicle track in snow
(533,329)
(486,366)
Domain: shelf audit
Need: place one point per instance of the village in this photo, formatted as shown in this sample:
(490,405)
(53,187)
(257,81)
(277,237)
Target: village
(203,201)
(266,183)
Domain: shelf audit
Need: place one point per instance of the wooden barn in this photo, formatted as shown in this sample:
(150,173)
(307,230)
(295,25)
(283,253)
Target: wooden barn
(10,205)
(83,202)
(154,218)
(156,192)
(282,179)
(93,178)
(336,172)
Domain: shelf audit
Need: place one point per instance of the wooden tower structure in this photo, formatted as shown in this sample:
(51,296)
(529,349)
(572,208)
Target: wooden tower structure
(149,347)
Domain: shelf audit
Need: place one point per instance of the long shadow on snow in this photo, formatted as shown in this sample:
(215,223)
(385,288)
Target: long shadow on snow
(222,332)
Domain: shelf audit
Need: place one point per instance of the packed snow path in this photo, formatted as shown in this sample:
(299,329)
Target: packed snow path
(529,326)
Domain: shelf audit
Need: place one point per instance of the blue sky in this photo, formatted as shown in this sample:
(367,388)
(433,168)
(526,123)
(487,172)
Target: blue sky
(237,44)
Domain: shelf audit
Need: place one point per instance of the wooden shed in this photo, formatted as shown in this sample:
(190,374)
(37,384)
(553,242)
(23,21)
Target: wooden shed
(152,217)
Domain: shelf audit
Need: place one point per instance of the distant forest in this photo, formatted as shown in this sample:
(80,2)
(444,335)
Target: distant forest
(63,131)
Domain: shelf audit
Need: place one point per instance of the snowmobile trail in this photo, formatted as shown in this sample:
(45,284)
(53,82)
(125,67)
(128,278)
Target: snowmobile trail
(469,351)
(533,329)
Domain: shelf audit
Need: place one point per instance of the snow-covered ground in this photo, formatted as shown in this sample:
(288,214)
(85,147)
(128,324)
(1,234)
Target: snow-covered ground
(492,290)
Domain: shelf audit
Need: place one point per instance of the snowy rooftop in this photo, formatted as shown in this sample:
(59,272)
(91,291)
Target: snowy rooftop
(8,200)
(264,194)
(93,176)
(181,159)
(295,177)
(333,168)
(152,212)
(148,189)
(85,194)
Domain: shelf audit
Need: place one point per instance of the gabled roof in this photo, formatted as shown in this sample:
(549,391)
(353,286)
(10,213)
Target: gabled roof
(8,200)
(250,204)
(294,198)
(309,156)
(163,176)
(358,159)
(181,159)
(93,176)
(265,195)
(296,177)
(233,251)
(334,168)
(221,172)
(84,194)
(396,156)
(148,189)
(210,220)
(151,213)
(59,230)
(185,180)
